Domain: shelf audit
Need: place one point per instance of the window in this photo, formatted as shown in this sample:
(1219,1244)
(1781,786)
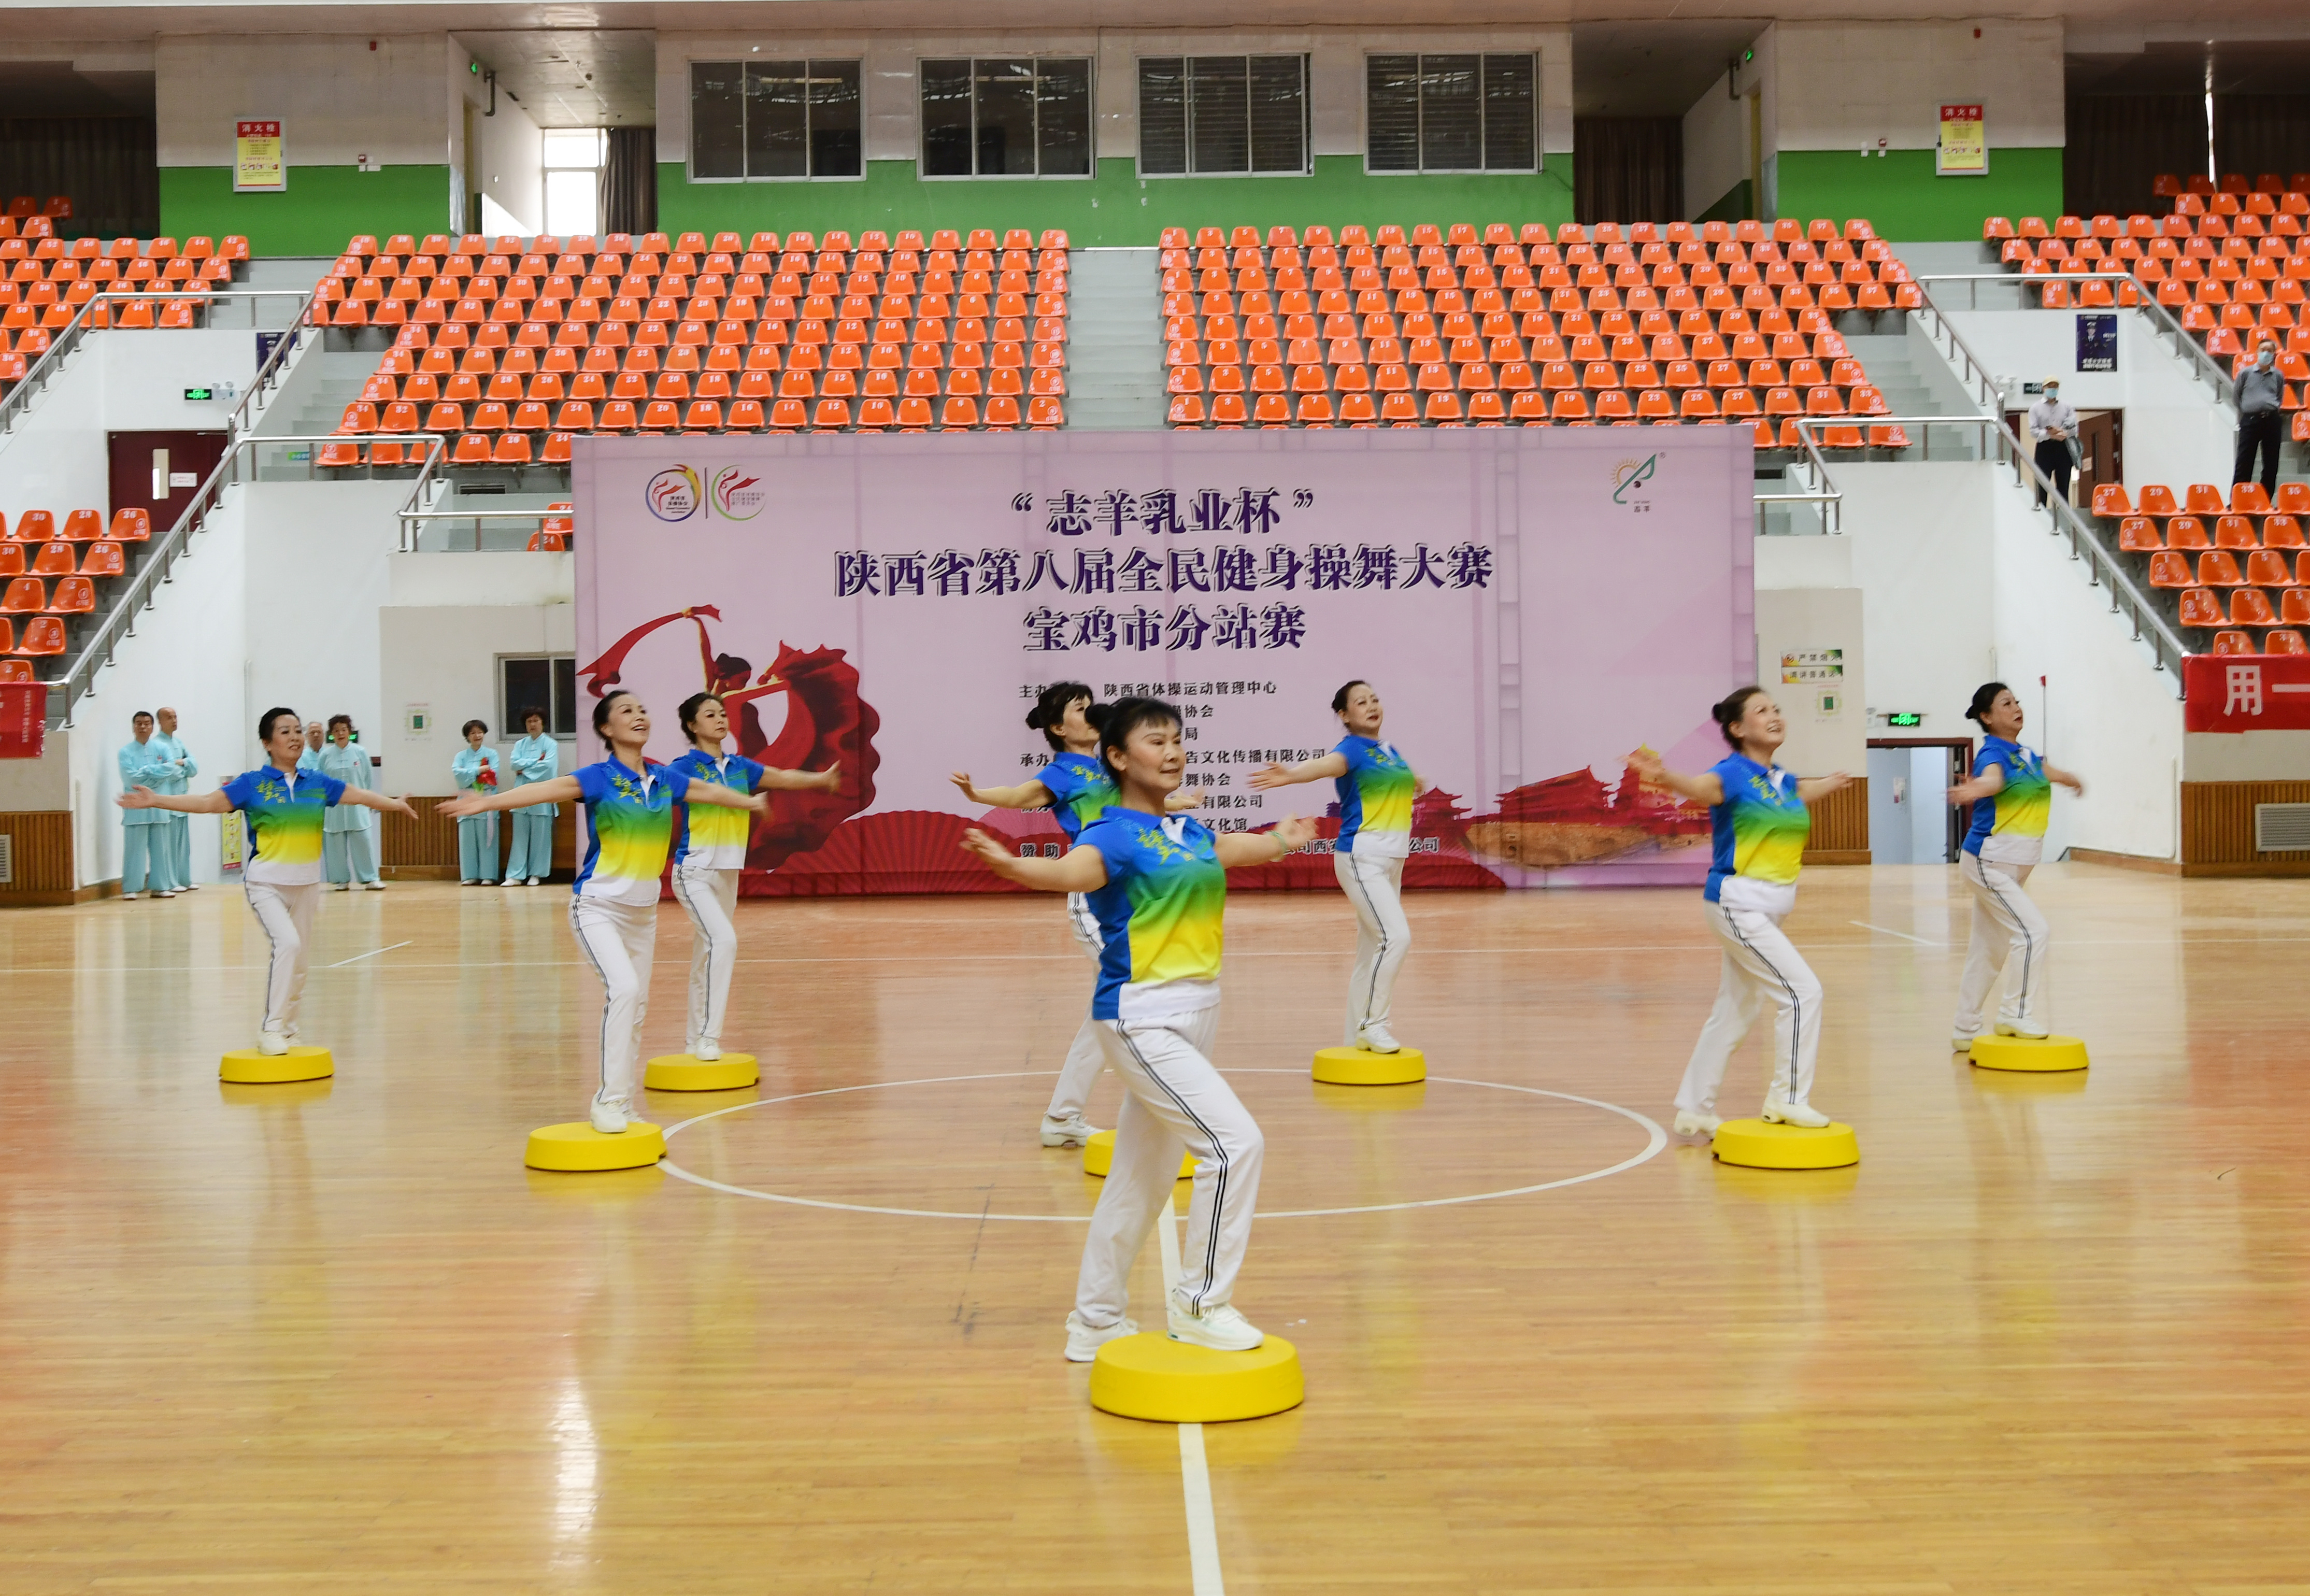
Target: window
(537,681)
(1451,114)
(1006,118)
(573,177)
(1222,114)
(753,120)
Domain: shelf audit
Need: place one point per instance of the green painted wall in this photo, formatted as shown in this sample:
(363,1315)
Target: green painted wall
(323,206)
(1734,205)
(1115,207)
(1902,198)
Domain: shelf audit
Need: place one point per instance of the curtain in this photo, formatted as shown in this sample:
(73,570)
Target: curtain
(108,167)
(2117,144)
(629,185)
(2259,134)
(1627,169)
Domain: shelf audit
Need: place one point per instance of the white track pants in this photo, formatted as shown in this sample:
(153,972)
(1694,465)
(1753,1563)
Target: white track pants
(710,899)
(286,914)
(1085,1057)
(1175,1100)
(2004,923)
(1760,966)
(1374,886)
(618,940)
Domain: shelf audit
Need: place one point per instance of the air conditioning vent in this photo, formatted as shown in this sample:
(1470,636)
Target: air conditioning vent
(2281,828)
(7,860)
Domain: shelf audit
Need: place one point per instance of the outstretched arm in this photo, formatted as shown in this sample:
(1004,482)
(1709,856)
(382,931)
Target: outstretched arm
(721,797)
(362,798)
(1810,787)
(2068,779)
(1080,870)
(473,800)
(1026,794)
(1332,765)
(184,804)
(799,781)
(1703,788)
(1238,848)
(1987,785)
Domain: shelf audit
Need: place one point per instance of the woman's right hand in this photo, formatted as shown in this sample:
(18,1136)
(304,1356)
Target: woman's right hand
(1267,776)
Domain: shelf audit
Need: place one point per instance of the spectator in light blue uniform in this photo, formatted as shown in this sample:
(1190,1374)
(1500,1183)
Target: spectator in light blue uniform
(348,846)
(182,769)
(143,832)
(537,758)
(477,834)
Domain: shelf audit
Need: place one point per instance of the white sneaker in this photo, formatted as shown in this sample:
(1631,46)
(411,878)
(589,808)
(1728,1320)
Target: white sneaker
(706,1050)
(2004,1029)
(1961,1043)
(1084,1341)
(1375,1038)
(342,887)
(192,886)
(607,1117)
(373,886)
(534,879)
(128,897)
(1218,1327)
(1689,1123)
(272,1043)
(164,895)
(1803,1115)
(1070,1131)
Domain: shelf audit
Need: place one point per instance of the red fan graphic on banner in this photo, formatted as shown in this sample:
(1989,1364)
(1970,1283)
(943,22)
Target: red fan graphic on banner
(827,723)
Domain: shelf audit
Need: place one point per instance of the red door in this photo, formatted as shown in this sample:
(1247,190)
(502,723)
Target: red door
(160,472)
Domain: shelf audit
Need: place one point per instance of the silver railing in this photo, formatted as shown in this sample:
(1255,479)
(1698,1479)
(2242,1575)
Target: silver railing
(135,592)
(1815,487)
(2168,326)
(69,338)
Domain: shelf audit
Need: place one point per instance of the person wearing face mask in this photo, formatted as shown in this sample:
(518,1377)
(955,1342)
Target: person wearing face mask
(2052,424)
(2262,416)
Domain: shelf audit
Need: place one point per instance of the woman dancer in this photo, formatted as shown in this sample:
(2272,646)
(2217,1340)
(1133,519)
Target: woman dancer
(709,849)
(1376,785)
(475,768)
(2012,796)
(1157,885)
(285,805)
(348,851)
(614,907)
(535,758)
(1757,811)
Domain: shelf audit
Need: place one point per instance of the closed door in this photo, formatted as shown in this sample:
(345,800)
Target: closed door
(159,472)
(2101,451)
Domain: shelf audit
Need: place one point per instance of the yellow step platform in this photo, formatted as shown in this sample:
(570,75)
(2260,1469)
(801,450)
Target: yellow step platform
(2045,1056)
(1353,1066)
(1099,1157)
(1154,1377)
(680,1073)
(245,1066)
(1758,1145)
(579,1147)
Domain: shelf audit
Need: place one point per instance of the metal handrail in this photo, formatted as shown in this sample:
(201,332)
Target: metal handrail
(162,552)
(68,338)
(2207,368)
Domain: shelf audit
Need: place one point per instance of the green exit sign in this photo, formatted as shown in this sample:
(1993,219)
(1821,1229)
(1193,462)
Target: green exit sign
(1905,718)
(199,395)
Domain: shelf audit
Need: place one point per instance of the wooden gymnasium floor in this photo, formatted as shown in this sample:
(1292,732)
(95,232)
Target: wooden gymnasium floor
(2049,1337)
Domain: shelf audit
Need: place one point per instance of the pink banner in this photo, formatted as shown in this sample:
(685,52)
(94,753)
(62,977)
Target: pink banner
(1532,605)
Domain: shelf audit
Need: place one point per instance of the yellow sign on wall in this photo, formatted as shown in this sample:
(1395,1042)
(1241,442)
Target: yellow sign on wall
(258,166)
(1963,150)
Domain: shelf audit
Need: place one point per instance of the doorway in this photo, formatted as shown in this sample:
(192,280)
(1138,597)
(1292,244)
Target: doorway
(1910,818)
(2101,450)
(159,472)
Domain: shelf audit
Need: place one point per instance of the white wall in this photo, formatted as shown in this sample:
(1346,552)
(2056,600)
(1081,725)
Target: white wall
(1921,556)
(445,657)
(888,77)
(1794,619)
(334,97)
(1715,143)
(2176,431)
(513,158)
(1845,84)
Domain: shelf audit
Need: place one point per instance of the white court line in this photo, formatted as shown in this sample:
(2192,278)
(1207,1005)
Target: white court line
(1194,1469)
(372,953)
(1889,931)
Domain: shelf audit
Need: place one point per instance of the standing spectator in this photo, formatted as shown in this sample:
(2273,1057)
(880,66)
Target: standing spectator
(316,736)
(2053,424)
(2262,417)
(181,770)
(476,767)
(537,758)
(348,847)
(143,832)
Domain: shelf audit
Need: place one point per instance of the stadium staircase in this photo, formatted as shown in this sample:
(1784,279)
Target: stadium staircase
(1116,343)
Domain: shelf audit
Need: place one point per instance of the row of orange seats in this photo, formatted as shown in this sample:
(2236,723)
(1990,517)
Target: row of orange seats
(653,243)
(1554,377)
(1786,230)
(1755,298)
(1748,361)
(568,279)
(1531,408)
(81,527)
(232,248)
(133,313)
(29,595)
(1553,274)
(27,227)
(42,635)
(632,310)
(2232,194)
(2202,606)
(2202,499)
(579,414)
(2220,568)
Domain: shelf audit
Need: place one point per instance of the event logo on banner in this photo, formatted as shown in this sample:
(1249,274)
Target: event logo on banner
(1525,632)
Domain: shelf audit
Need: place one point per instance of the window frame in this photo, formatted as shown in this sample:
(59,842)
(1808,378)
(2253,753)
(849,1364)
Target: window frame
(506,710)
(1091,120)
(1307,114)
(689,151)
(1419,73)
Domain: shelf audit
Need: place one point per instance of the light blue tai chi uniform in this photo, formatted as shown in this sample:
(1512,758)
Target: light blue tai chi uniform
(182,769)
(477,834)
(348,845)
(144,832)
(531,852)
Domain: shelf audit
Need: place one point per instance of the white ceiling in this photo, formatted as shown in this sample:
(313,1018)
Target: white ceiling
(570,77)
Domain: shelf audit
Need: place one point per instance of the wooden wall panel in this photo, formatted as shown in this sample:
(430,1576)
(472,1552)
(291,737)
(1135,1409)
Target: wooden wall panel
(42,841)
(2217,828)
(426,848)
(1840,826)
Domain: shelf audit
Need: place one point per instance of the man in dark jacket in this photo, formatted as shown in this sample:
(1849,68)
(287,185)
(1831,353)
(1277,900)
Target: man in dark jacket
(2262,417)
